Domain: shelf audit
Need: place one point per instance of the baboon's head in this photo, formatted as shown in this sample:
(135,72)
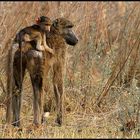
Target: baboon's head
(63,27)
(44,22)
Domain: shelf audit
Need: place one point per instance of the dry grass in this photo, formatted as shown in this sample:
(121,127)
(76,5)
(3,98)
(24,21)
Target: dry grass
(106,57)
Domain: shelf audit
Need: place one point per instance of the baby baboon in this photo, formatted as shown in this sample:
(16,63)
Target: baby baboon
(38,64)
(36,32)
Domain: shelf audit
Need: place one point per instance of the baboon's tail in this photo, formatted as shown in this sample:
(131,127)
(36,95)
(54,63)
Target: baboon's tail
(20,45)
(11,53)
(19,39)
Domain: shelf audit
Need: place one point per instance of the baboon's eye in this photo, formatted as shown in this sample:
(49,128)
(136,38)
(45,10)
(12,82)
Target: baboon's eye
(55,23)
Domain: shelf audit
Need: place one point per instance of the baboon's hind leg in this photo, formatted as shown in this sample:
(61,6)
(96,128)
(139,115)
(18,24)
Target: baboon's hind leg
(17,91)
(34,66)
(37,82)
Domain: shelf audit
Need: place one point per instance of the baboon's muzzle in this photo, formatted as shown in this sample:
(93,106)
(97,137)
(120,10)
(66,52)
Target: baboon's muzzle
(71,38)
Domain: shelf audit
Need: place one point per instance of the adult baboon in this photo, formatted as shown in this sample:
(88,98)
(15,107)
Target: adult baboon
(26,39)
(38,64)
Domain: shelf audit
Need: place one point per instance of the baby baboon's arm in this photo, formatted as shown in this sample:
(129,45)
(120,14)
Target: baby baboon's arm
(47,48)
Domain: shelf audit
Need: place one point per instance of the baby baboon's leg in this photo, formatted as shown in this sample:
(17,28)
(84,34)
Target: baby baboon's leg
(58,89)
(39,40)
(35,36)
(17,89)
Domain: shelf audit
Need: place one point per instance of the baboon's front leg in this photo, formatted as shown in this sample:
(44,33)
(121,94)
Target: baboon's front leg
(58,89)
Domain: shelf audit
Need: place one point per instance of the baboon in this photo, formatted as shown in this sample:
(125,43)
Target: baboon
(27,38)
(35,33)
(38,64)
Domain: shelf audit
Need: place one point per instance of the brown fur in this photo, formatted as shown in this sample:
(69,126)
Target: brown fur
(38,65)
(35,33)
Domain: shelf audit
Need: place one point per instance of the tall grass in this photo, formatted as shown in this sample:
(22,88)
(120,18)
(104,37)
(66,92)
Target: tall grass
(98,70)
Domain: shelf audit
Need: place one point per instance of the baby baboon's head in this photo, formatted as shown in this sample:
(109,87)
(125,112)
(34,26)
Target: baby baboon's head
(44,22)
(63,27)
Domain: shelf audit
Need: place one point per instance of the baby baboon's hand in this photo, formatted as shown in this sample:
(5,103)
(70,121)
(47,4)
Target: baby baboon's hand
(40,48)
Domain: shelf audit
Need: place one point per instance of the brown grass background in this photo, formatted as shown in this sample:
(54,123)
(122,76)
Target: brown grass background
(96,104)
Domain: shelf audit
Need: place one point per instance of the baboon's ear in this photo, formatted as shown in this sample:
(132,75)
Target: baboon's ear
(55,22)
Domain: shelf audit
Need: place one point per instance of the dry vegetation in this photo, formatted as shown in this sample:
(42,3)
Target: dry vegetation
(98,102)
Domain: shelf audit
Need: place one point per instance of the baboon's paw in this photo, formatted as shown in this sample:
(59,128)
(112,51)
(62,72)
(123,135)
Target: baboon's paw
(58,122)
(51,51)
(33,127)
(46,114)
